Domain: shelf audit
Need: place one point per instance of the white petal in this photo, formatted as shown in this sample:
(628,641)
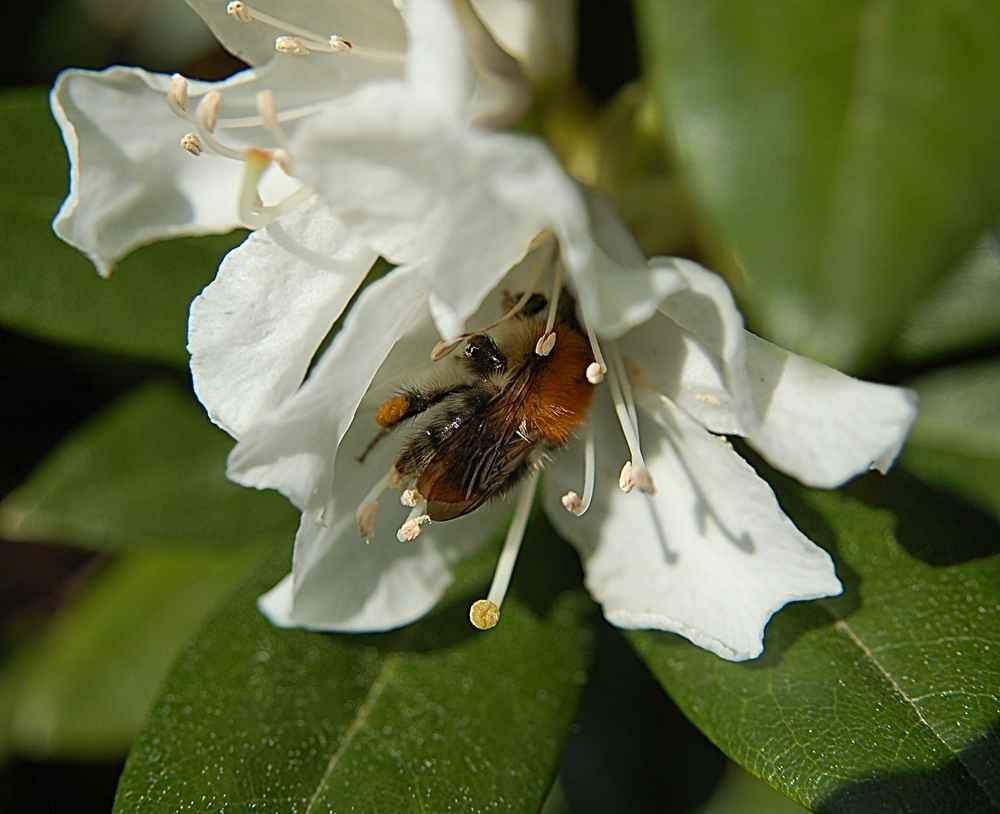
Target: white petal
(706,311)
(538,33)
(342,583)
(253,332)
(666,358)
(710,556)
(438,68)
(292,448)
(373,24)
(819,425)
(131,182)
(617,288)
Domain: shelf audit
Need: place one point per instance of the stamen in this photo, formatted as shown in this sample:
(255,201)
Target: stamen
(446,346)
(296,37)
(177,96)
(634,473)
(547,341)
(208,110)
(252,212)
(369,506)
(597,368)
(410,497)
(571,500)
(239,11)
(485,613)
(192,144)
(283,160)
(410,530)
(291,45)
(626,385)
(340,45)
(268,110)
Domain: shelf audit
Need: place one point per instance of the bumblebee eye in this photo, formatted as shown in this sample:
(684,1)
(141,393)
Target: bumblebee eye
(484,356)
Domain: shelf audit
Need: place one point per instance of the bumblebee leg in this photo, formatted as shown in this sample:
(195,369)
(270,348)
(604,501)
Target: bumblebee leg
(403,407)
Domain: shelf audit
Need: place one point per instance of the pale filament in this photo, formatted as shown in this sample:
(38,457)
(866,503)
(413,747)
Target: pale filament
(252,211)
(547,340)
(310,39)
(571,500)
(446,346)
(268,110)
(634,473)
(511,548)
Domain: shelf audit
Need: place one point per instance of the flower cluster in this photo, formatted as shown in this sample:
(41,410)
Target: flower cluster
(376,130)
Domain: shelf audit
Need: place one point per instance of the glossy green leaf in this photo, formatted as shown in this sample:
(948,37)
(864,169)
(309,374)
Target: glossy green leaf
(886,698)
(434,717)
(83,689)
(150,469)
(848,150)
(963,312)
(739,792)
(51,290)
(955,442)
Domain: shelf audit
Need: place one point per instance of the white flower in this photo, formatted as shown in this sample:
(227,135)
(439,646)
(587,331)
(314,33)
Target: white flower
(701,547)
(705,551)
(154,156)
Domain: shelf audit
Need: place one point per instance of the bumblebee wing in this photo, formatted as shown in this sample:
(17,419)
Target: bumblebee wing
(481,459)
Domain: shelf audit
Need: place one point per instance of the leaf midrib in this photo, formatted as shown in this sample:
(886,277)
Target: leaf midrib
(845,629)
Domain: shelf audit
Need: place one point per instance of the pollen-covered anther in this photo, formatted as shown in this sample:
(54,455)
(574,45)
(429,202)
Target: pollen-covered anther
(395,478)
(636,477)
(572,502)
(546,342)
(410,530)
(410,497)
(208,110)
(291,45)
(484,614)
(340,45)
(192,144)
(366,521)
(595,372)
(178,93)
(239,11)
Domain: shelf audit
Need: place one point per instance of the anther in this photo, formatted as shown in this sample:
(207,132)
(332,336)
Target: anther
(572,503)
(410,497)
(291,45)
(208,110)
(340,45)
(192,144)
(446,346)
(267,109)
(366,521)
(177,96)
(546,342)
(394,478)
(595,372)
(410,530)
(484,614)
(633,476)
(239,11)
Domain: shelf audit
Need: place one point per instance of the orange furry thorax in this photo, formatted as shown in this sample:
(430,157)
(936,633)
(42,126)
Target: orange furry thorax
(560,393)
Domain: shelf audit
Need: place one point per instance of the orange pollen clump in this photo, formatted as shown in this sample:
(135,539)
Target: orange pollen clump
(392,412)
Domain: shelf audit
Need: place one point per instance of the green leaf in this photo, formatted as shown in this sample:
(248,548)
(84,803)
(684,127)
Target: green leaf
(739,792)
(849,150)
(51,290)
(883,699)
(955,442)
(150,469)
(83,689)
(436,716)
(963,312)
